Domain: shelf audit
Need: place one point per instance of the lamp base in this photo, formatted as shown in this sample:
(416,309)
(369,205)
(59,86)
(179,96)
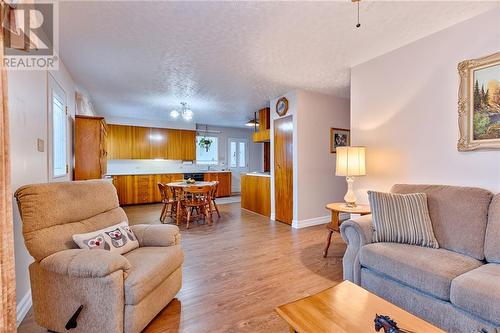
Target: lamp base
(350,197)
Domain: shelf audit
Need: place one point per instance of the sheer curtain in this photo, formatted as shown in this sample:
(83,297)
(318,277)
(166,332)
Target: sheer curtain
(7,273)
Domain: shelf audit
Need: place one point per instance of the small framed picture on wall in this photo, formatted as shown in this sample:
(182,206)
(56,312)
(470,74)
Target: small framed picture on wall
(339,137)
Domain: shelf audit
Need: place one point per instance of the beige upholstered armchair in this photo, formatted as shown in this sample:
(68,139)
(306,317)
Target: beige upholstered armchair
(118,293)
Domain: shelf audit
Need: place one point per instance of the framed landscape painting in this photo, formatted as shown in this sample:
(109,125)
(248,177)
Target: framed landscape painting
(339,137)
(479,103)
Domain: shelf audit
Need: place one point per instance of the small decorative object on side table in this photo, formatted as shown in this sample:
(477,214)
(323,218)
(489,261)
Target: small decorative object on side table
(334,225)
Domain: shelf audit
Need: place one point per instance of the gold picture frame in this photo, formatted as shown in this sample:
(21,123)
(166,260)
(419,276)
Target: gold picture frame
(339,137)
(479,106)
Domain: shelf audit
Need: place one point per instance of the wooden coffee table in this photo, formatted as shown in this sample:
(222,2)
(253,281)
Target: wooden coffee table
(347,308)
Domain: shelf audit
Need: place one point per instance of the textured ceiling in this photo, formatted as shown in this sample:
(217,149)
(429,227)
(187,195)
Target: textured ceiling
(228,59)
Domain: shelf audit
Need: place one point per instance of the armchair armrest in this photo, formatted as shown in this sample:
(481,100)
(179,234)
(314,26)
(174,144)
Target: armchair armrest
(85,263)
(156,234)
(356,233)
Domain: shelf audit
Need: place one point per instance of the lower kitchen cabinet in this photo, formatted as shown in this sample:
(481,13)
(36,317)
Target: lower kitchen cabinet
(224,179)
(141,189)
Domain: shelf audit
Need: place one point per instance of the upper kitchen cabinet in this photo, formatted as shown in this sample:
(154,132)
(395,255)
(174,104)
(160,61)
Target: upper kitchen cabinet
(263,134)
(141,143)
(181,145)
(90,148)
(133,142)
(158,139)
(119,142)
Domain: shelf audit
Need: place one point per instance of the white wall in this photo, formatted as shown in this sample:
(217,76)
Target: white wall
(28,122)
(314,180)
(317,183)
(404,110)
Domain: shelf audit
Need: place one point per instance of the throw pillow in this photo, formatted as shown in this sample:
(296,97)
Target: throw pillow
(118,238)
(402,218)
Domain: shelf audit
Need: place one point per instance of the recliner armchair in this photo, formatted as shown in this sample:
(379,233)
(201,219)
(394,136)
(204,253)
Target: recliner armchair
(119,293)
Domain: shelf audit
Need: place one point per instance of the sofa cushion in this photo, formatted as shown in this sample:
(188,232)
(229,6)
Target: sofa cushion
(478,292)
(428,270)
(150,267)
(401,218)
(458,215)
(492,240)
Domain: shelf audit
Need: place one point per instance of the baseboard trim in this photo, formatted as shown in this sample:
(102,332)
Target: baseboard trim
(311,222)
(23,307)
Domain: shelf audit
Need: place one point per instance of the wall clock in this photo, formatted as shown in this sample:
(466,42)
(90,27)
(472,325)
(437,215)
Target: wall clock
(282,106)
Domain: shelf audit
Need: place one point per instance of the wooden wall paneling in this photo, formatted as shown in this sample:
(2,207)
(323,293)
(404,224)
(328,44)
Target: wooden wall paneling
(256,194)
(283,169)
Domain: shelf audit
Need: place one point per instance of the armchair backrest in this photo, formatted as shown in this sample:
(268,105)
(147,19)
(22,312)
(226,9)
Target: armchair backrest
(52,213)
(459,215)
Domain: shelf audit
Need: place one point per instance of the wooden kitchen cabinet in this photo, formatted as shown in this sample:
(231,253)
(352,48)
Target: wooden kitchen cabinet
(119,142)
(141,189)
(134,142)
(90,148)
(224,179)
(141,149)
(181,145)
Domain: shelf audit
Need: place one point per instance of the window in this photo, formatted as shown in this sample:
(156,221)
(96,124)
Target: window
(58,153)
(210,156)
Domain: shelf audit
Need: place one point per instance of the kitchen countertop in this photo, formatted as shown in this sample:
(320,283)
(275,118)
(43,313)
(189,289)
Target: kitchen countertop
(257,174)
(150,172)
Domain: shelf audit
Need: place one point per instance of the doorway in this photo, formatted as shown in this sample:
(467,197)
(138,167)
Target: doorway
(237,161)
(283,169)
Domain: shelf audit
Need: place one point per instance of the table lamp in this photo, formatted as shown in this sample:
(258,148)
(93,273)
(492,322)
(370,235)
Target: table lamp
(350,163)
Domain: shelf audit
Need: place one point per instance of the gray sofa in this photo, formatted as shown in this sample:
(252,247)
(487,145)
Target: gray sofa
(455,287)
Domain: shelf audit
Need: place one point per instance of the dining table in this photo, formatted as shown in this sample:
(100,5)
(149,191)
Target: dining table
(178,198)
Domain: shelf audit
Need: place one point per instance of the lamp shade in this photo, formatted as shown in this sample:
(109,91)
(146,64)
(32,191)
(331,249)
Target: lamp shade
(350,161)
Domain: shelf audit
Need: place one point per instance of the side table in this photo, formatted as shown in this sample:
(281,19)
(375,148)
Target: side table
(334,225)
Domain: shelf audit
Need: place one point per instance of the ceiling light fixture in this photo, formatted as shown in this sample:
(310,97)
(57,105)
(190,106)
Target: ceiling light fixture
(252,123)
(185,112)
(357,1)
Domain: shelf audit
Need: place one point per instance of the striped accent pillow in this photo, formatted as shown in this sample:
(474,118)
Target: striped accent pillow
(401,218)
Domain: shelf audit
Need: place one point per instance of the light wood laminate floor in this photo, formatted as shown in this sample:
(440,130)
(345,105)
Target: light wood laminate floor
(238,270)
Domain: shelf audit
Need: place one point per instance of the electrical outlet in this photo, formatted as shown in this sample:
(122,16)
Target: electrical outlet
(40,145)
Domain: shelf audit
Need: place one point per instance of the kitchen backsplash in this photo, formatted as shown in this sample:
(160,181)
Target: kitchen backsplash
(116,167)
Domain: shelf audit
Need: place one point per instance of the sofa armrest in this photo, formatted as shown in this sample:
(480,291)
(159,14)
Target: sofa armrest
(85,263)
(156,234)
(356,233)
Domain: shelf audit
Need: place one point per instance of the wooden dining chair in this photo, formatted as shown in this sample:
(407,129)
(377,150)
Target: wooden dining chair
(169,201)
(197,198)
(213,195)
